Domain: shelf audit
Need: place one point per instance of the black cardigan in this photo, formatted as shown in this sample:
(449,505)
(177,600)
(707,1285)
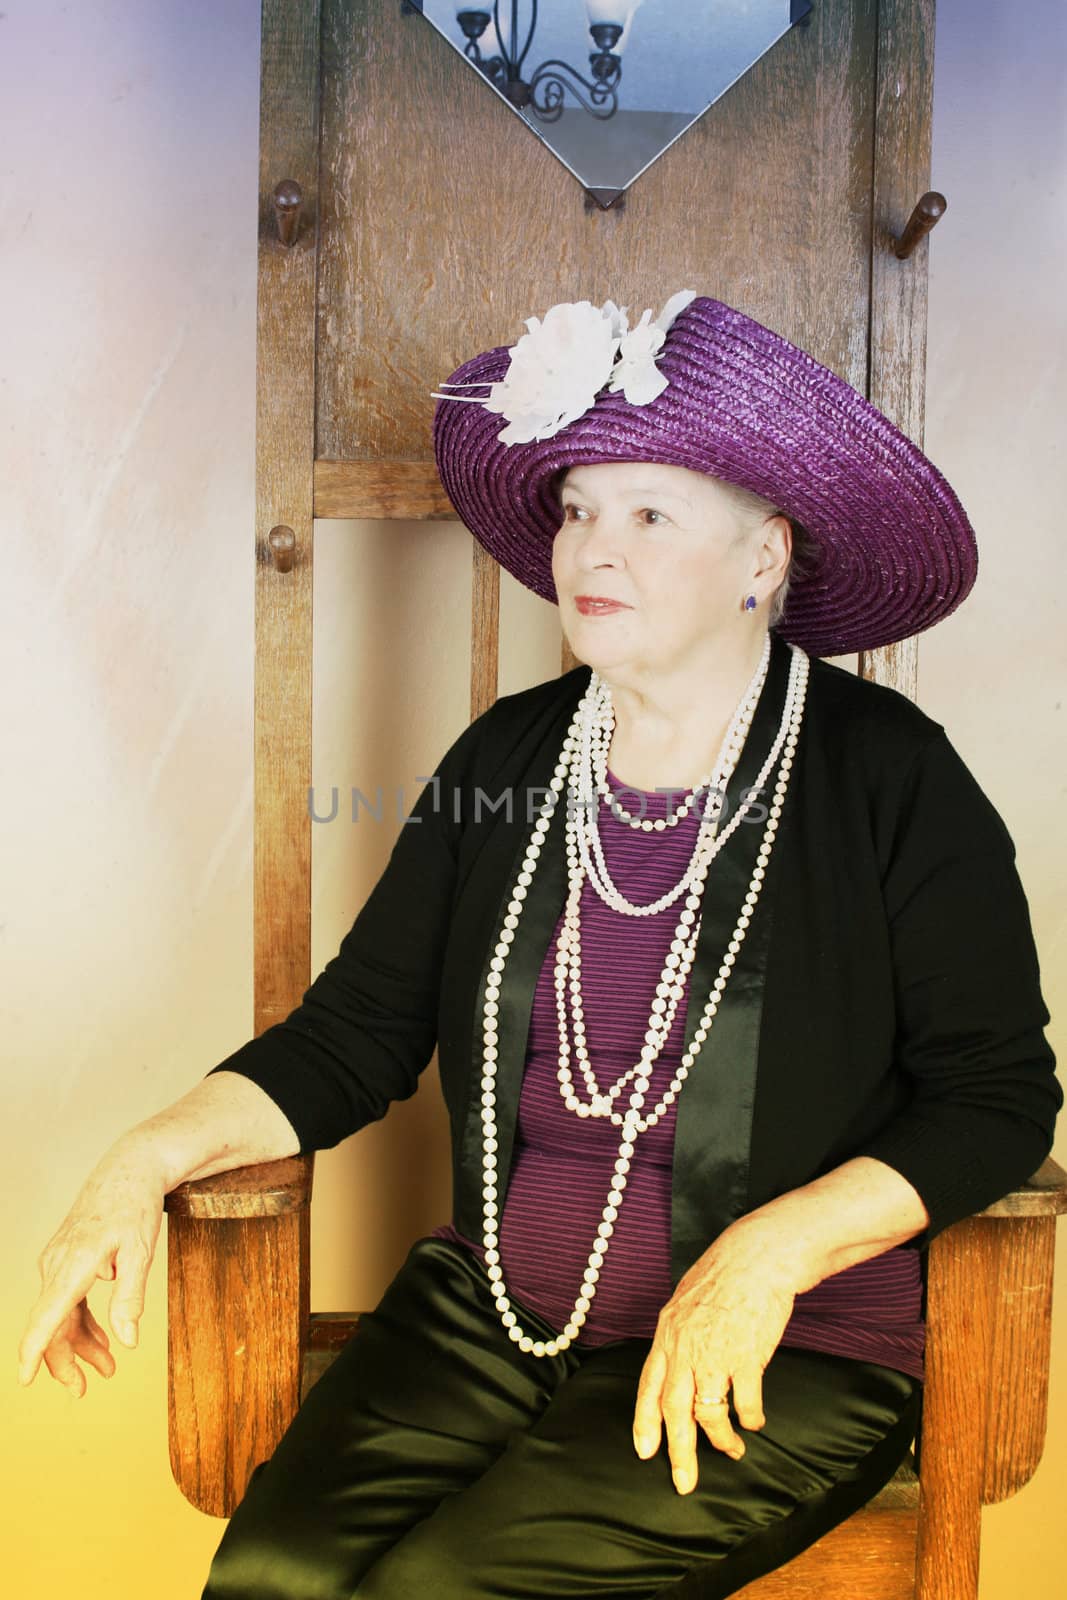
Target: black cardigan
(886,1001)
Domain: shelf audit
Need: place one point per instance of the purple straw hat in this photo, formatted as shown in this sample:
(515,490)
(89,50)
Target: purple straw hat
(706,387)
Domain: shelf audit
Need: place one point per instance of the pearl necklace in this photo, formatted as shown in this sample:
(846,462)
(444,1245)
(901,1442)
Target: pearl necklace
(675,972)
(716,779)
(582,800)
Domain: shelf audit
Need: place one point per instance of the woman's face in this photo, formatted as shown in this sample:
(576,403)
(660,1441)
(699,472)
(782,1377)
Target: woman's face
(666,543)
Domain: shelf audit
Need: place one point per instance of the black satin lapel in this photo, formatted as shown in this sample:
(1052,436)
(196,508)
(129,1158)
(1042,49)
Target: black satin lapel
(545,899)
(714,1121)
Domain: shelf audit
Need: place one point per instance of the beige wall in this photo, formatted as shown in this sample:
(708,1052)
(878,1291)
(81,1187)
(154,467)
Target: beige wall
(129,180)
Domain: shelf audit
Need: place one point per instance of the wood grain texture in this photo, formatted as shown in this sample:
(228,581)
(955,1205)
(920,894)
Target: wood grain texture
(441,232)
(485,628)
(381,489)
(903,117)
(961,1309)
(285,451)
(871,1556)
(1021,1265)
(238,1298)
(269,1189)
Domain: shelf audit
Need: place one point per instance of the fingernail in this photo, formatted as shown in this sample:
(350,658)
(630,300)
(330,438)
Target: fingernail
(736,1454)
(683,1482)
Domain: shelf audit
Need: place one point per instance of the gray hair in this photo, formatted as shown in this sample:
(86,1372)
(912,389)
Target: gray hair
(754,511)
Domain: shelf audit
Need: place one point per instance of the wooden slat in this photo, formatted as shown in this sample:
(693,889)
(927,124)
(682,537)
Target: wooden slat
(485,628)
(285,450)
(234,1374)
(410,490)
(897,332)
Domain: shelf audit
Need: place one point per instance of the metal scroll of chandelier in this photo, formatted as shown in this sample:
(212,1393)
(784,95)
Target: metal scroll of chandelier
(648,69)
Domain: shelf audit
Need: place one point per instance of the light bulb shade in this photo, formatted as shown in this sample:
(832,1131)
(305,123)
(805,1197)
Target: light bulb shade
(618,11)
(608,11)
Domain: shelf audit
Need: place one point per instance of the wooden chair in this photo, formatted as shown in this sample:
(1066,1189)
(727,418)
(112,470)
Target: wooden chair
(244,1350)
(358,205)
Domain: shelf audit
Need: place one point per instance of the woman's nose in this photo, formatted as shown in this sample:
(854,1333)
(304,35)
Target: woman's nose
(601,545)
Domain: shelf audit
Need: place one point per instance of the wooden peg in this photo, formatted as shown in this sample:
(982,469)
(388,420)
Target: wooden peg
(288,200)
(281,542)
(926,212)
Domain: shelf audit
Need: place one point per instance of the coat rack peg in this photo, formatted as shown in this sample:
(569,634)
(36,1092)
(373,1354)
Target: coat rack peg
(288,200)
(281,542)
(927,211)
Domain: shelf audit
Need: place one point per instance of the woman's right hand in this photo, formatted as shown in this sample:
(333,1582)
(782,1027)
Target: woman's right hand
(110,1232)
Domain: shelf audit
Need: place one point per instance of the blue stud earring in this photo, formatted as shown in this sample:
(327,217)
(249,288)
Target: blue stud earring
(750,603)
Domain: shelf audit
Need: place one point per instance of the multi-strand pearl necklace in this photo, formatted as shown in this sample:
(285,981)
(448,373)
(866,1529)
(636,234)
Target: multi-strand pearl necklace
(577,754)
(582,799)
(602,728)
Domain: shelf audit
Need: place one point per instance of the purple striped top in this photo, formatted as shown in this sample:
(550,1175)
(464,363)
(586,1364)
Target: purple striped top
(562,1164)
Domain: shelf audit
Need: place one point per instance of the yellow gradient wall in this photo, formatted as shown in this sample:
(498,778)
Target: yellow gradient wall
(128,185)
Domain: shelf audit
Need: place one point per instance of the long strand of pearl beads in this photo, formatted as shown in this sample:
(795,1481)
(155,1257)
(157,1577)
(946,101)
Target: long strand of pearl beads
(676,968)
(598,874)
(631,1122)
(733,742)
(729,959)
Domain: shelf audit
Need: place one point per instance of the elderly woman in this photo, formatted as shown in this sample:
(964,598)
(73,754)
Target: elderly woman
(735,998)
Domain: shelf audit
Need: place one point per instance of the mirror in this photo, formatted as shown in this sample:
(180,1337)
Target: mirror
(608,85)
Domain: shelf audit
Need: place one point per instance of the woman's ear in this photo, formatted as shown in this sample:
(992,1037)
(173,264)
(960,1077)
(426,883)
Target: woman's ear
(775,543)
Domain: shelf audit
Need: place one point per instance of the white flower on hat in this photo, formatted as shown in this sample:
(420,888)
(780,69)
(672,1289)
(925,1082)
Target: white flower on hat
(636,373)
(560,365)
(556,370)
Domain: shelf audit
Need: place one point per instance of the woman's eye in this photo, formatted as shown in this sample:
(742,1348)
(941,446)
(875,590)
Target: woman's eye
(567,512)
(649,512)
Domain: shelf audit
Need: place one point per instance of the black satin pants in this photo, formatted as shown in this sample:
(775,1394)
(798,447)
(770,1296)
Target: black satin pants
(435,1458)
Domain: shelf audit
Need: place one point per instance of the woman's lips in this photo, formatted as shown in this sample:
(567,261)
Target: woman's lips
(590,606)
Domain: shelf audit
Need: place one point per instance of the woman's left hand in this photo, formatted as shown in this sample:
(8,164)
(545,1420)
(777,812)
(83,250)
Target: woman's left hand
(719,1329)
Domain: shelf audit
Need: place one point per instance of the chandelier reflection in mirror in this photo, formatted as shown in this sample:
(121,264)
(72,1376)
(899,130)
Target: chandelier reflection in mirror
(607,126)
(609,25)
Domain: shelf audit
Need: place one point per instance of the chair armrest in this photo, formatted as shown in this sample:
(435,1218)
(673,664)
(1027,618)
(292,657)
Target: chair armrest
(238,1274)
(269,1189)
(1043,1195)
